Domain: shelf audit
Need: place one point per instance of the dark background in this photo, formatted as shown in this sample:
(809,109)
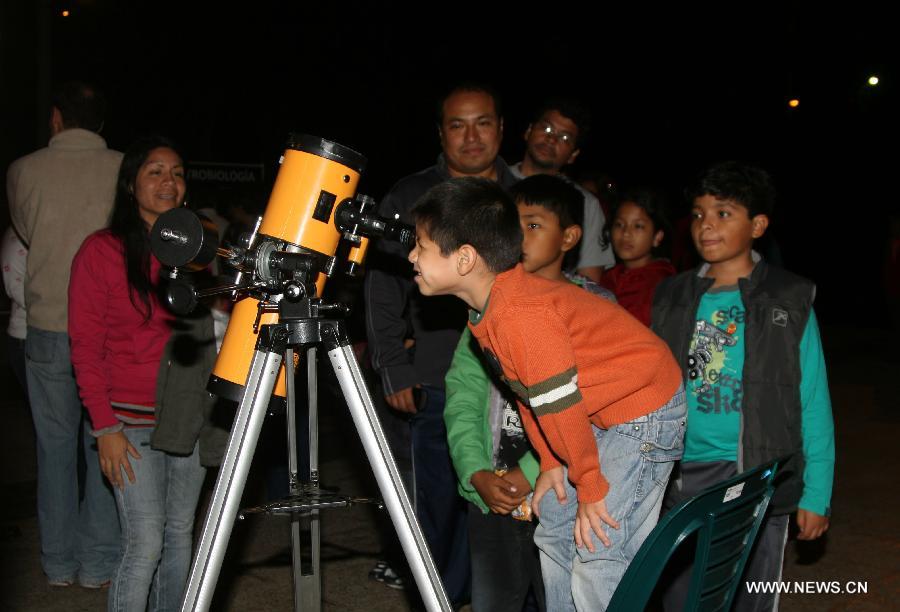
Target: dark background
(671,89)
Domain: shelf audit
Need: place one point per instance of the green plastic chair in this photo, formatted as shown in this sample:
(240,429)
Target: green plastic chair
(726,518)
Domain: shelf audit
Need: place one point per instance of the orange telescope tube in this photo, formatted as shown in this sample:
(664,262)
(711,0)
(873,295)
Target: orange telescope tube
(314,177)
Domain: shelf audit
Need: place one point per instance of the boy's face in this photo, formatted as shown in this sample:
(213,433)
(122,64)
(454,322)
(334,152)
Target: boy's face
(544,243)
(435,273)
(723,231)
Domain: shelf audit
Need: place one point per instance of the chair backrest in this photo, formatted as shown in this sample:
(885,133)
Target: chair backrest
(726,518)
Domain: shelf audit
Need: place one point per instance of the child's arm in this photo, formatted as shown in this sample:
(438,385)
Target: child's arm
(544,364)
(817,429)
(469,437)
(465,415)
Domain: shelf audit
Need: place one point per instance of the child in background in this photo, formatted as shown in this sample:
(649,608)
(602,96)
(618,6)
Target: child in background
(494,462)
(600,395)
(746,336)
(637,230)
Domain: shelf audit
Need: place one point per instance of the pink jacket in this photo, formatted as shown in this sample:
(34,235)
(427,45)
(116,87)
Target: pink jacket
(115,352)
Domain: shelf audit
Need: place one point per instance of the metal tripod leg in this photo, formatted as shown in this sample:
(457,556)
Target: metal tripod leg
(226,498)
(307,581)
(381,459)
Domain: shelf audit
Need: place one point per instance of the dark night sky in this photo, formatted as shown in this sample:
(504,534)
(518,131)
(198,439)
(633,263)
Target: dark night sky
(670,89)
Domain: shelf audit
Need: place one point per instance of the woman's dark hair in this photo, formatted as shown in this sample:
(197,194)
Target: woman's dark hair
(653,203)
(126,222)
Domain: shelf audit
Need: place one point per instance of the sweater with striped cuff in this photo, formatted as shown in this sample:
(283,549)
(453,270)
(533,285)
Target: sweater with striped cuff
(574,360)
(115,352)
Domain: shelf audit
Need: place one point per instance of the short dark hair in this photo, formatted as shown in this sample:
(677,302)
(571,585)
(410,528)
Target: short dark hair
(475,211)
(468,86)
(569,108)
(81,105)
(743,183)
(555,194)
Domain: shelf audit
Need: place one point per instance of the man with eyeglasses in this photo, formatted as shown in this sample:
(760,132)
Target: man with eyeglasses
(553,141)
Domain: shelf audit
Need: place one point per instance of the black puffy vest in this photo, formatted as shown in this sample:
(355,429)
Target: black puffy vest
(778,304)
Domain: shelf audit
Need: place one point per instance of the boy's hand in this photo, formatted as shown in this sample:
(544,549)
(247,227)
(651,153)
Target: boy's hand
(500,495)
(591,517)
(551,479)
(402,400)
(811,525)
(517,478)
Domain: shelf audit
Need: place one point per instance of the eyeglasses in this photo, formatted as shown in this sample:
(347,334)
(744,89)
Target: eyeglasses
(549,130)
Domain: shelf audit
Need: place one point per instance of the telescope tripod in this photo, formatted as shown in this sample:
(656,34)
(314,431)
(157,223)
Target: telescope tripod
(303,325)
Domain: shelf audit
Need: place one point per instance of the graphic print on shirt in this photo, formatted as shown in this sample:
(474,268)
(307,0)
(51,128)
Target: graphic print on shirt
(512,444)
(715,360)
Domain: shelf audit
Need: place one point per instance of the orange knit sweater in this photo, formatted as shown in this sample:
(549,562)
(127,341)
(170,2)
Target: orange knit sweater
(574,359)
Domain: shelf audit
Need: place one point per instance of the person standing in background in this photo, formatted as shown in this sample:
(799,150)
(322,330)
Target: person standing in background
(57,196)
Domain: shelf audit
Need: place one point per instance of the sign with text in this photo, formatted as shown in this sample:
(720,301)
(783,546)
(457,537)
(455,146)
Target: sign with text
(224,173)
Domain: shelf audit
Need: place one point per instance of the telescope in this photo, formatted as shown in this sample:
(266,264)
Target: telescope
(281,270)
(289,255)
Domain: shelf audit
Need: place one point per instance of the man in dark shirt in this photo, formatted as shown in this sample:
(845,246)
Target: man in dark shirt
(412,337)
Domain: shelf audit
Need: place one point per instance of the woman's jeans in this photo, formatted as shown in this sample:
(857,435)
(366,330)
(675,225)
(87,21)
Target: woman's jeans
(636,459)
(157,517)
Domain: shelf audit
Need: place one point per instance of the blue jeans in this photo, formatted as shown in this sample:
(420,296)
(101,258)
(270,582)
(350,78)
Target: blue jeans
(157,515)
(76,542)
(636,459)
(442,513)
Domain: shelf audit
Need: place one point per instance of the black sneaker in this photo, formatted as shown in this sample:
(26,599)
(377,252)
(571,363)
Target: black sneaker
(392,579)
(377,572)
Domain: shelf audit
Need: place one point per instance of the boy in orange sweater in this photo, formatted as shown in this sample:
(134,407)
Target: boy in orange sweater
(601,396)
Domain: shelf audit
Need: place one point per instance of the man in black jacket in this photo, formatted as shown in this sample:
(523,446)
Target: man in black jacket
(412,338)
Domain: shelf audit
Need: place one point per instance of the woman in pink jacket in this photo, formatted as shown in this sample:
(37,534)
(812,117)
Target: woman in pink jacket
(118,330)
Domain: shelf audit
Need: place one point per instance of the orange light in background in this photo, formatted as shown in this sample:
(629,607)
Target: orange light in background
(794,103)
(65,13)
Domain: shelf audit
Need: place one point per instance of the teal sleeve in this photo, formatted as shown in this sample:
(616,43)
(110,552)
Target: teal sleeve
(466,417)
(817,424)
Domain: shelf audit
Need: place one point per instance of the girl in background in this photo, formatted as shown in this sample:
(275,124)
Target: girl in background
(637,231)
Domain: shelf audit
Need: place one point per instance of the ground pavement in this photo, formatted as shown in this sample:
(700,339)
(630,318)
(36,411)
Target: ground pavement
(863,545)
